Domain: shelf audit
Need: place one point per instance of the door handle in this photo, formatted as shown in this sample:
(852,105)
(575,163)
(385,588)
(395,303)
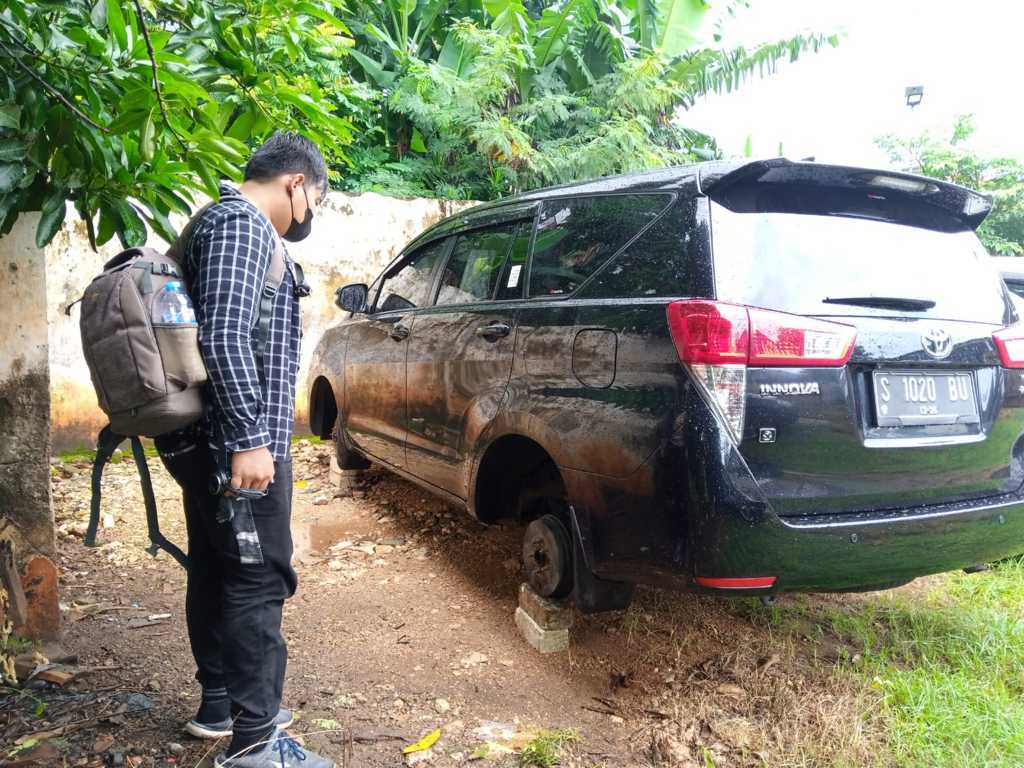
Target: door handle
(494,331)
(399,333)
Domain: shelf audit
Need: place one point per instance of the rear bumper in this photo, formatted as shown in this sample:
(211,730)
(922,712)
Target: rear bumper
(863,551)
(694,515)
(689,518)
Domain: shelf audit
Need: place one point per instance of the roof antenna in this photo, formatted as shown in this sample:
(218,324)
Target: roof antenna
(809,159)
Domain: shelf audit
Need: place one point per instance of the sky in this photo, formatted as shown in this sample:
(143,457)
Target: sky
(969,57)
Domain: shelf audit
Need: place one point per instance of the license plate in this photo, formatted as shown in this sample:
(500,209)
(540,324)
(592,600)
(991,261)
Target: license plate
(916,398)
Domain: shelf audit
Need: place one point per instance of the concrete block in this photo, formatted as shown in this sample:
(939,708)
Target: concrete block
(343,479)
(546,613)
(543,623)
(543,640)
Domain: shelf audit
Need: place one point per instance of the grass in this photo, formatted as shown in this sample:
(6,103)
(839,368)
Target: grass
(85,453)
(945,660)
(82,453)
(545,749)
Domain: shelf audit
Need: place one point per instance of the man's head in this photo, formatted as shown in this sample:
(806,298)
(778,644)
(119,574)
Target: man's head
(289,176)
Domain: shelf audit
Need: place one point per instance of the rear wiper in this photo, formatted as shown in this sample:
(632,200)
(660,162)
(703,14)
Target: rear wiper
(882,302)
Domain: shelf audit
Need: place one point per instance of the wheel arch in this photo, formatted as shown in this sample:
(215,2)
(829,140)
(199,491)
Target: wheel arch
(323,407)
(509,465)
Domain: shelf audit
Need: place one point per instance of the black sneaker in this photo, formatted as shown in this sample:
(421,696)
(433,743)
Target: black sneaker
(221,729)
(280,751)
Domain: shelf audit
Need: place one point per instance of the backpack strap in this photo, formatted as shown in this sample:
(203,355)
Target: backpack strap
(156,539)
(275,276)
(106,443)
(180,246)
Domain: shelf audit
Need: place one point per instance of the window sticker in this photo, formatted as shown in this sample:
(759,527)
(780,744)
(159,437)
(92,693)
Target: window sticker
(513,276)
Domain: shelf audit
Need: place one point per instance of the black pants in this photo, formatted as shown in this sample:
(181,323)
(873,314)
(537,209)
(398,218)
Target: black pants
(237,584)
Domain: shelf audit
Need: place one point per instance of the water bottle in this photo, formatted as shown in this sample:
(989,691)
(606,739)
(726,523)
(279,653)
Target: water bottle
(173,305)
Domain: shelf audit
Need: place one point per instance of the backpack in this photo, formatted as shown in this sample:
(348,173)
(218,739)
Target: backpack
(141,343)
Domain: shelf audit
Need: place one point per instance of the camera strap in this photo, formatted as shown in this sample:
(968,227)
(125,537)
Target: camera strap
(106,443)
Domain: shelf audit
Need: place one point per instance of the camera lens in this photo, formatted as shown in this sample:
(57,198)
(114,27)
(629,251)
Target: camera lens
(219,482)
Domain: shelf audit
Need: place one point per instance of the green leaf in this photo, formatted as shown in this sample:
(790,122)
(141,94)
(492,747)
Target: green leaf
(115,20)
(183,86)
(373,69)
(7,204)
(54,210)
(10,116)
(416,144)
(13,150)
(10,175)
(216,145)
(161,224)
(241,126)
(210,184)
(172,201)
(99,14)
(679,25)
(311,10)
(132,230)
(108,223)
(146,136)
(127,122)
(452,53)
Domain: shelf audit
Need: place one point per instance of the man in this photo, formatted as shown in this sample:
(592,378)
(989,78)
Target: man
(240,544)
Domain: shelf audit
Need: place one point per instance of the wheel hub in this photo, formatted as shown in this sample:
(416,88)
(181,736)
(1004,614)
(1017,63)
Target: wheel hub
(547,556)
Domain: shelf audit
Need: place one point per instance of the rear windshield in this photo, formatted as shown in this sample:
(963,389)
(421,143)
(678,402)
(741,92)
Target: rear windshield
(793,263)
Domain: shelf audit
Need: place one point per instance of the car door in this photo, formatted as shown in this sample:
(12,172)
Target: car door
(460,351)
(375,392)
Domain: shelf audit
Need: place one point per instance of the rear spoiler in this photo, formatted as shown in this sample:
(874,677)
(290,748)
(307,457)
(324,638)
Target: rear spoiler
(784,186)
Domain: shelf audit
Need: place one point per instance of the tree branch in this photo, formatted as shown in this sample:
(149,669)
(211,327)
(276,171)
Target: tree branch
(12,34)
(53,91)
(156,77)
(252,97)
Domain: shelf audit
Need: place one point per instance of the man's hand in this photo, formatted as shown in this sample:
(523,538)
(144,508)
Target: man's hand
(252,469)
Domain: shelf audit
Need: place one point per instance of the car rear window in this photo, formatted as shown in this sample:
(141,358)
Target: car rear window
(576,236)
(795,263)
(1016,286)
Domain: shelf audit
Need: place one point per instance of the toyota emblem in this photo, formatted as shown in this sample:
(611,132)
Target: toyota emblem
(937,343)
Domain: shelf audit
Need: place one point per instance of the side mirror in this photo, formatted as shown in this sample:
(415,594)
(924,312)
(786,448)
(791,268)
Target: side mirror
(352,298)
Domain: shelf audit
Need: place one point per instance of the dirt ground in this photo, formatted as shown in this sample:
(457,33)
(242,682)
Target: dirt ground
(403,623)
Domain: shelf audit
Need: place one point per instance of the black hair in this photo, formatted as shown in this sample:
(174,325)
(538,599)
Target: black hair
(288,152)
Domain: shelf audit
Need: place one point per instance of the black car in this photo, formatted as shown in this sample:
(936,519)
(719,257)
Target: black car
(731,377)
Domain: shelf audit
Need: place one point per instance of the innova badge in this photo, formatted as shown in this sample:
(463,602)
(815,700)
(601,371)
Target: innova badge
(937,343)
(791,388)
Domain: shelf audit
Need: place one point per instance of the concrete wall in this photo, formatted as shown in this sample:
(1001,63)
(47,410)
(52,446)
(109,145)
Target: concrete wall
(354,237)
(25,514)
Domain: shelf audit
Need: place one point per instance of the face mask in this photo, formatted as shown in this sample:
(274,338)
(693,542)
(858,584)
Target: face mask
(299,230)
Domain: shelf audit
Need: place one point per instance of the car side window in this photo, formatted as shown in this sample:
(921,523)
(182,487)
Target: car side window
(477,259)
(663,261)
(409,286)
(513,276)
(576,236)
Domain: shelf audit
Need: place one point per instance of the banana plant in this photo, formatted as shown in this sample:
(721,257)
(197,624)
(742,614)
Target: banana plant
(389,33)
(590,86)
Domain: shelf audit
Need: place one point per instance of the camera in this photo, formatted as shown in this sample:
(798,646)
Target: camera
(220,483)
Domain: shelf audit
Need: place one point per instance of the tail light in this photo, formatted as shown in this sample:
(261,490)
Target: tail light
(1010,343)
(718,341)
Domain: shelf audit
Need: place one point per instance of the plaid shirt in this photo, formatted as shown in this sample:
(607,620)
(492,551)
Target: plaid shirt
(227,259)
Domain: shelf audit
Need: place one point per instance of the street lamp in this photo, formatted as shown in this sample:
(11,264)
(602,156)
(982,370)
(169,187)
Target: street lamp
(914,94)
